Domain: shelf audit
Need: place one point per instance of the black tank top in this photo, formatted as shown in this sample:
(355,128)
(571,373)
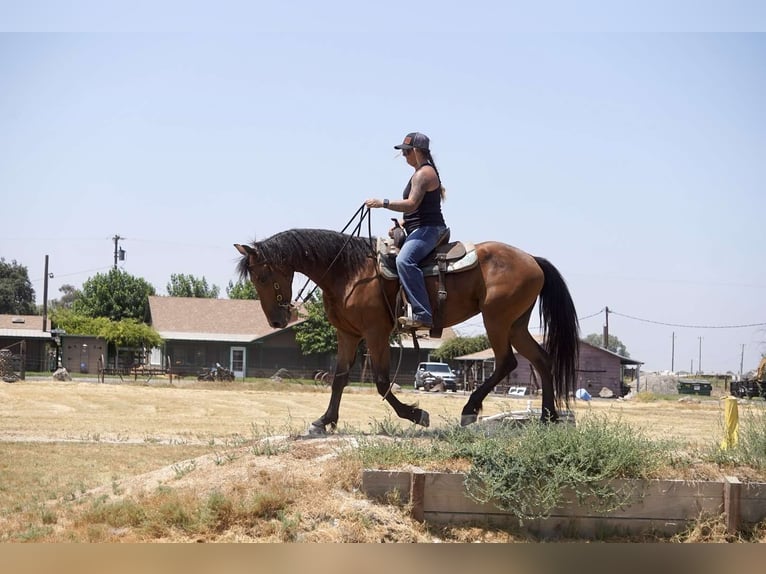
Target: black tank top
(429,212)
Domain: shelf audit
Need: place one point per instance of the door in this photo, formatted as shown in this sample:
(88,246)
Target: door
(237,361)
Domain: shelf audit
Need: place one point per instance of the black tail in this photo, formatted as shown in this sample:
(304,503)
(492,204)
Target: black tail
(561,330)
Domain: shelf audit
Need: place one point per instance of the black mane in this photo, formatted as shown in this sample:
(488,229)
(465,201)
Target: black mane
(294,248)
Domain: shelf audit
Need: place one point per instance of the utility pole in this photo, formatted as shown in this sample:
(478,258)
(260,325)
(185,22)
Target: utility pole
(45,296)
(699,363)
(118,252)
(741,361)
(673,353)
(606,329)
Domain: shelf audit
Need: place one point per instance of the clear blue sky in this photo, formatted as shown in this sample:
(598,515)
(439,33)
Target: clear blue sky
(626,146)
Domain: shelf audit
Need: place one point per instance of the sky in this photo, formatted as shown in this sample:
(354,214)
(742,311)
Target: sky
(627,145)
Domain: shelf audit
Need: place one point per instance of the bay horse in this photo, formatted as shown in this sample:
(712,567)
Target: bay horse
(359,303)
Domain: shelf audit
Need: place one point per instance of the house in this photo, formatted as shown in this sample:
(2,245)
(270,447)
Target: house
(29,341)
(598,368)
(199,333)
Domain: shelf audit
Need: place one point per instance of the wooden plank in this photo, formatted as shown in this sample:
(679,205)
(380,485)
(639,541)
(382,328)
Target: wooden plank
(417,491)
(732,490)
(382,483)
(662,506)
(661,500)
(752,505)
(445,492)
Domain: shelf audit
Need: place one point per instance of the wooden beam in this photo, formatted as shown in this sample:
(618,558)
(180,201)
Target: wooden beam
(417,495)
(732,495)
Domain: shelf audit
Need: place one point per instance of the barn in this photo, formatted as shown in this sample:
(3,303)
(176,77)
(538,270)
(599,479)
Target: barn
(598,369)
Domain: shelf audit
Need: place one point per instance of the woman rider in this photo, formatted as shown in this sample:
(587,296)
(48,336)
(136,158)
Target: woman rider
(423,222)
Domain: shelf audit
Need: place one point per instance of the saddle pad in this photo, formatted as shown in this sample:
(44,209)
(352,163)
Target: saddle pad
(469,261)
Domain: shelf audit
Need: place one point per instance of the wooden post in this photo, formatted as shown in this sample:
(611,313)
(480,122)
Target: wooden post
(23,373)
(732,492)
(417,494)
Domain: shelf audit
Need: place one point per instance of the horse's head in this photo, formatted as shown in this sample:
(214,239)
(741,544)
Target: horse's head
(274,285)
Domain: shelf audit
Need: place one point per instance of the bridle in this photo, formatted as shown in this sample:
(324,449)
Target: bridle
(275,284)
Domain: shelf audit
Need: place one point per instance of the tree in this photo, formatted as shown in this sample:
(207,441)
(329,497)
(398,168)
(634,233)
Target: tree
(190,286)
(124,333)
(242,290)
(316,334)
(17,297)
(69,295)
(461,346)
(115,295)
(614,344)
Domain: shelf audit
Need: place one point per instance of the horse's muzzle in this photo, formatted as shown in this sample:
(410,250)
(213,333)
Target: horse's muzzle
(282,318)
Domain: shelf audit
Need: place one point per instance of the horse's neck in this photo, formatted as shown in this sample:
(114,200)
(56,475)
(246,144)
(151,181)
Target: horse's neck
(328,279)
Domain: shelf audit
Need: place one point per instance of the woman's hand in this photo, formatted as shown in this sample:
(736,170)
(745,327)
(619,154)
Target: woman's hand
(374,203)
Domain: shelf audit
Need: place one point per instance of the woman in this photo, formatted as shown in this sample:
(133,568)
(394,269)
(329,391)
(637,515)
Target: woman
(424,223)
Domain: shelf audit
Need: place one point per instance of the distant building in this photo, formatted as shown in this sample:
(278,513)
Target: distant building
(598,368)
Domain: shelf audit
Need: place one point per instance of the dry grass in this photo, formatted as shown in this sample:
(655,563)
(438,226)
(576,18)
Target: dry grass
(94,462)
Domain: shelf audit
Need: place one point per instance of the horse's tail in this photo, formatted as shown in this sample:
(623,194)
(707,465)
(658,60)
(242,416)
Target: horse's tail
(561,330)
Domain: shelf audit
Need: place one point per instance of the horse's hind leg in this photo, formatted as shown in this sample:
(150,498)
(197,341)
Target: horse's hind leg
(504,365)
(505,362)
(347,344)
(527,346)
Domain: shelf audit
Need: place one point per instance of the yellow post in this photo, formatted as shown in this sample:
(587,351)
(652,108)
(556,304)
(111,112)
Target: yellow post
(730,423)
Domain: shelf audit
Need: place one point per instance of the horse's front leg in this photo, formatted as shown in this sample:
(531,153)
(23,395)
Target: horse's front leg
(380,354)
(347,344)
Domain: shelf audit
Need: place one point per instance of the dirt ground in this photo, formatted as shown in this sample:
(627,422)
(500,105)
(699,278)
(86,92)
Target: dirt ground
(231,420)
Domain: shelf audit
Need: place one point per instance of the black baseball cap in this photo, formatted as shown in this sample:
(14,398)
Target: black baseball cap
(414,139)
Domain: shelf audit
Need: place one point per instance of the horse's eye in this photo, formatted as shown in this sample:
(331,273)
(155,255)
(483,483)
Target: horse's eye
(261,279)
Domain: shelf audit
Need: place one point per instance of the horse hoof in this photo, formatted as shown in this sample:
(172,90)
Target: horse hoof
(466,420)
(425,419)
(317,430)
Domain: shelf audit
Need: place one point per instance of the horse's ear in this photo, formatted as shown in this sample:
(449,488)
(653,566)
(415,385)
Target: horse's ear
(243,249)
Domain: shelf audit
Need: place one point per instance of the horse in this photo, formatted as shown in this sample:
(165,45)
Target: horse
(360,303)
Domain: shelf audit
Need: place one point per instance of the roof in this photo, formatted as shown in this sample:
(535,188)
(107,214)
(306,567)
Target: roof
(202,319)
(24,327)
(426,342)
(623,360)
(485,355)
(488,354)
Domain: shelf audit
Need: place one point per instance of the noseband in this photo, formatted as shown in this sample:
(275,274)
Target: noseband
(275,285)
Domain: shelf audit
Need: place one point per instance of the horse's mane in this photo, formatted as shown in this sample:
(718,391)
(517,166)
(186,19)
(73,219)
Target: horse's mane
(294,247)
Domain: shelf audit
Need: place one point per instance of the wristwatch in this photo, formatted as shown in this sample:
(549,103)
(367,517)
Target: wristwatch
(385,203)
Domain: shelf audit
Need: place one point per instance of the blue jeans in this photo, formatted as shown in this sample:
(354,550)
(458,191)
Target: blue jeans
(418,244)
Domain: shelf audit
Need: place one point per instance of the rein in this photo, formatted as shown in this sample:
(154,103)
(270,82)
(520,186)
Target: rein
(363,213)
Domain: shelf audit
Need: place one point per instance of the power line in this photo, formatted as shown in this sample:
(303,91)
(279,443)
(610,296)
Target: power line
(688,326)
(591,315)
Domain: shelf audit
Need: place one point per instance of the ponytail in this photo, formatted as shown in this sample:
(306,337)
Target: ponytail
(430,160)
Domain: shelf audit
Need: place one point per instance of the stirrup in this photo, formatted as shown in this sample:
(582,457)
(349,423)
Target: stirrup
(414,324)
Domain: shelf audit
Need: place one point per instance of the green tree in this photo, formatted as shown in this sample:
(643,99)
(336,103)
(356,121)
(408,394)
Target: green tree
(115,295)
(316,334)
(461,346)
(190,286)
(17,297)
(241,290)
(69,293)
(615,345)
(124,333)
